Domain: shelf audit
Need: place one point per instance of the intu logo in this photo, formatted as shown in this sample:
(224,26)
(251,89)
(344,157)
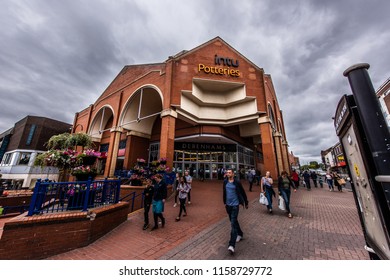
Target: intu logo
(225,61)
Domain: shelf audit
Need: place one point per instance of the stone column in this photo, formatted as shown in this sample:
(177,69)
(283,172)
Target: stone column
(268,147)
(278,136)
(167,138)
(113,151)
(286,162)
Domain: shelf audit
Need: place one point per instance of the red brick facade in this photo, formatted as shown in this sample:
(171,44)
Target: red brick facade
(211,90)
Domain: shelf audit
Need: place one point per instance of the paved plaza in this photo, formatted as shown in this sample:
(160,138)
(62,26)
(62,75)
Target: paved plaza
(325,226)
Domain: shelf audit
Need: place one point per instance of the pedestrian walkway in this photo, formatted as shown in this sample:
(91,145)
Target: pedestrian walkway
(325,227)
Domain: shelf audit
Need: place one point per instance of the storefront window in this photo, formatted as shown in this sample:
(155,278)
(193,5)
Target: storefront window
(212,161)
(178,156)
(230,157)
(190,156)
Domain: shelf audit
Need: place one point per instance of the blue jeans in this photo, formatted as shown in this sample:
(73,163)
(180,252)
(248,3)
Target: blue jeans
(235,226)
(286,193)
(268,195)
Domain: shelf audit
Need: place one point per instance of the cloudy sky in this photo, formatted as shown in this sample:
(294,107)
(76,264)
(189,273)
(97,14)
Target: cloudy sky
(57,57)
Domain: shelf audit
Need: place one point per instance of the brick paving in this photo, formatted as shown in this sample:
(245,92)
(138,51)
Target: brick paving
(325,227)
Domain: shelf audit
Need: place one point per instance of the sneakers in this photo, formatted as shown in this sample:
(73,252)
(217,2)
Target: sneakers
(238,239)
(270,211)
(289,215)
(145,226)
(231,250)
(174,205)
(189,202)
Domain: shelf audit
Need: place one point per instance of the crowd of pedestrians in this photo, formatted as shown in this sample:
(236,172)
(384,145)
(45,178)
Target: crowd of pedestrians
(155,194)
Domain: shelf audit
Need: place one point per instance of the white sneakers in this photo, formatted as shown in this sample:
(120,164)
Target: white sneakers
(231,249)
(174,205)
(238,239)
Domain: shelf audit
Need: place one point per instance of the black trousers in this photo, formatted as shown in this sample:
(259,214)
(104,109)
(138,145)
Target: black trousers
(146,213)
(182,206)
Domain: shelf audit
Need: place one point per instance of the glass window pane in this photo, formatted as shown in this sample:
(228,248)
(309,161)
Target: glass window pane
(230,157)
(24,158)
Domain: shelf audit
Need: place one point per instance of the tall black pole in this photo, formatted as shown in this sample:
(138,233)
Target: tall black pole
(373,121)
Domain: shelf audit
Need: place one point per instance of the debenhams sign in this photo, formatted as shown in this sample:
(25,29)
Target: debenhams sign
(222,67)
(189,146)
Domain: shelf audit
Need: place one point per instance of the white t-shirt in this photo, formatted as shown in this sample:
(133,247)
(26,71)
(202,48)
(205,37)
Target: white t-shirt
(189,180)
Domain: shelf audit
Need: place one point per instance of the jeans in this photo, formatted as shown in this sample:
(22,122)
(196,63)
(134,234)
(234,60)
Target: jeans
(268,195)
(330,183)
(286,193)
(235,226)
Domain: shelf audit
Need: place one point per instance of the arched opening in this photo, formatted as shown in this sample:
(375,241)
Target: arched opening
(141,111)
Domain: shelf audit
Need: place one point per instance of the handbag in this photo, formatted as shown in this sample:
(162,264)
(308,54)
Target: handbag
(341,181)
(281,203)
(263,200)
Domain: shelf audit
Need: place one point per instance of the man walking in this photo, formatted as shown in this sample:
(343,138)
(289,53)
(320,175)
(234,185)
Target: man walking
(306,178)
(233,195)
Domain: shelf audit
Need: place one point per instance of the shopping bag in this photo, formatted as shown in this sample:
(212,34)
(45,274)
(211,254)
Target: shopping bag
(263,200)
(341,181)
(281,203)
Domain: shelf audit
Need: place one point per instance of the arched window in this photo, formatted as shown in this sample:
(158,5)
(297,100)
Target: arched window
(271,116)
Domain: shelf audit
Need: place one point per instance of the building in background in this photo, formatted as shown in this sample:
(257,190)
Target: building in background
(209,107)
(19,147)
(294,161)
(383,94)
(333,159)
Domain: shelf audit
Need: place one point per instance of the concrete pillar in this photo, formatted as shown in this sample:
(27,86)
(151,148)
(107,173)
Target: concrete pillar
(167,138)
(137,145)
(113,151)
(286,161)
(278,145)
(268,147)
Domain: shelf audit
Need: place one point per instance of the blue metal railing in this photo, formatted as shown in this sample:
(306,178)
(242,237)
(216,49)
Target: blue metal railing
(66,196)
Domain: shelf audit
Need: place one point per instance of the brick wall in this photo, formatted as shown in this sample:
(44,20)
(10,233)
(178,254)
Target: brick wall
(42,236)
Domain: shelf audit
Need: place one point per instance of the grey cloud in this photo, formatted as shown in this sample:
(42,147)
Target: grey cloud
(57,57)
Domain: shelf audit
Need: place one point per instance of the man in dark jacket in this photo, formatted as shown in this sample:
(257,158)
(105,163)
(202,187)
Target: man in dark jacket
(233,195)
(148,197)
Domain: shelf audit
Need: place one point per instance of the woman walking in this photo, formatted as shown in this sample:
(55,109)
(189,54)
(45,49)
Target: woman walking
(266,188)
(329,180)
(284,187)
(183,190)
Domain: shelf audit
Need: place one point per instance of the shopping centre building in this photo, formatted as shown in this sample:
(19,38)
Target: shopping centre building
(208,107)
